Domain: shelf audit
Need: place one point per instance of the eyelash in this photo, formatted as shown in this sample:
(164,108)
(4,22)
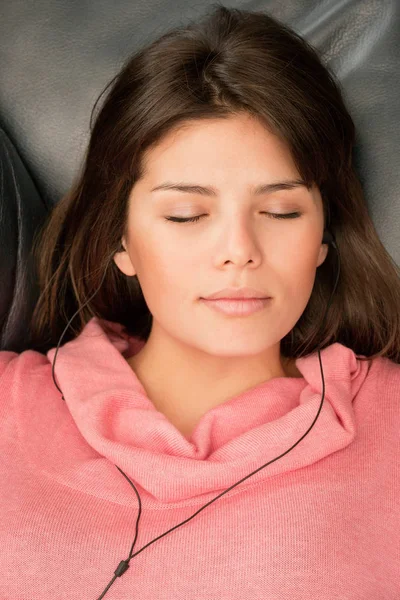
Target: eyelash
(293,215)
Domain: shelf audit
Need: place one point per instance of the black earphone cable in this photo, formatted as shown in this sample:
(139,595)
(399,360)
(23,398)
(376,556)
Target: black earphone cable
(124,564)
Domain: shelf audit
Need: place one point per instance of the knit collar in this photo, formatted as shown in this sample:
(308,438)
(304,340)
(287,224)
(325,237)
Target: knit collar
(119,423)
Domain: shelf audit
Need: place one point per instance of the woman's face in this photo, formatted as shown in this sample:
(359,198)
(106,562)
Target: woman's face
(235,243)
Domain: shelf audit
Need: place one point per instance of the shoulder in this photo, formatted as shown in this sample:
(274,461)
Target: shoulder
(384,383)
(13,364)
(386,371)
(23,376)
(5,358)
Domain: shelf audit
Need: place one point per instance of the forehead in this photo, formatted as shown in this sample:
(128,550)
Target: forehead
(219,145)
(238,153)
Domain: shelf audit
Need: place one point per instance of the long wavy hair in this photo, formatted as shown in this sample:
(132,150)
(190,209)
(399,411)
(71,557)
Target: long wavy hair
(229,62)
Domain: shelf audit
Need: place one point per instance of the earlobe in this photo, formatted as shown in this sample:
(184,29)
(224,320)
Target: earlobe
(123,261)
(323,252)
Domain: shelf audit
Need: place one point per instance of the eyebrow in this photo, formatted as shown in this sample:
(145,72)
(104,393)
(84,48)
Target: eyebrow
(264,188)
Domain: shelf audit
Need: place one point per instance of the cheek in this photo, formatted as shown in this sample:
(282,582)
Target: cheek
(297,271)
(166,277)
(297,260)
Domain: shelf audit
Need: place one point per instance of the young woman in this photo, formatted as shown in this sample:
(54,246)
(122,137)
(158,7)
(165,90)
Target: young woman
(209,408)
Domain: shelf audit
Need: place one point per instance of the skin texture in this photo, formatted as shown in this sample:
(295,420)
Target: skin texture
(195,357)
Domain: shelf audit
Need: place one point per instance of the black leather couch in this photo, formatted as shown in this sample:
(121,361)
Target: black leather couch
(57,56)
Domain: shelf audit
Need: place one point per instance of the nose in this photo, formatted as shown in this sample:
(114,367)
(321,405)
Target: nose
(238,244)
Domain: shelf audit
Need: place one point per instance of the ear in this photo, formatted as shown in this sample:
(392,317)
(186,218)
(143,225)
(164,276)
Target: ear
(123,261)
(323,252)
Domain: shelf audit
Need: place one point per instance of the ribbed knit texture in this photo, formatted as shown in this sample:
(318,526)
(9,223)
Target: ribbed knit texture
(322,522)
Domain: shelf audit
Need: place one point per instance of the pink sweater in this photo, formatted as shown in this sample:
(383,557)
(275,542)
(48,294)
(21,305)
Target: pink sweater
(322,522)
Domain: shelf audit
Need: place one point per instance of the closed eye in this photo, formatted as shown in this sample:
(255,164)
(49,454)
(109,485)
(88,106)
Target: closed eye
(293,215)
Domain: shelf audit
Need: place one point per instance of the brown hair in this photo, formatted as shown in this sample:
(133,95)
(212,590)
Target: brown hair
(229,62)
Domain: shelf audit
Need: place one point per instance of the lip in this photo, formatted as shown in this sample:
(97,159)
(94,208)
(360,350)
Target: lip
(237,307)
(237,293)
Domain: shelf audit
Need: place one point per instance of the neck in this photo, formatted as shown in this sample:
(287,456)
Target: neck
(184,383)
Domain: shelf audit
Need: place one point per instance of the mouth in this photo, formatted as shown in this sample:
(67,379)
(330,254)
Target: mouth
(237,306)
